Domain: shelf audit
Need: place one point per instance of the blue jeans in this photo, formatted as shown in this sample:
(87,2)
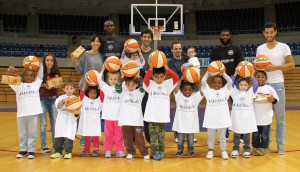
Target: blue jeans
(260,138)
(48,105)
(190,140)
(279,108)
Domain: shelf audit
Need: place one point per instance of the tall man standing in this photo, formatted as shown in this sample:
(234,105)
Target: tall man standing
(282,60)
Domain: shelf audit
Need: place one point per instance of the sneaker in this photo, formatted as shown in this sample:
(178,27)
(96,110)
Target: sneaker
(210,154)
(195,140)
(224,155)
(191,154)
(161,154)
(147,157)
(45,149)
(176,140)
(107,154)
(56,155)
(120,154)
(280,150)
(267,150)
(234,154)
(82,141)
(95,153)
(179,153)
(68,156)
(227,139)
(83,153)
(21,154)
(246,155)
(255,152)
(31,155)
(129,156)
(157,157)
(242,141)
(262,151)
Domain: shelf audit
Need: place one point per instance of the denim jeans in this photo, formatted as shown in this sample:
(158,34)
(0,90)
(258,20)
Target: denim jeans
(48,105)
(260,138)
(190,140)
(236,141)
(279,108)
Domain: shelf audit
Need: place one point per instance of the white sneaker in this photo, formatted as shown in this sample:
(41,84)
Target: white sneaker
(195,140)
(107,154)
(242,141)
(246,155)
(147,157)
(225,155)
(210,155)
(234,154)
(129,156)
(176,140)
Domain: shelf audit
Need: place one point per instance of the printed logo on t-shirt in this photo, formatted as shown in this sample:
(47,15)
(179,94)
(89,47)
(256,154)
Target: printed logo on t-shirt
(91,109)
(225,61)
(114,97)
(217,99)
(241,104)
(187,106)
(28,93)
(230,52)
(110,47)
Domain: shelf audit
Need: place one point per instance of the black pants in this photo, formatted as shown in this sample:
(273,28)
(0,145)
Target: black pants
(146,125)
(60,141)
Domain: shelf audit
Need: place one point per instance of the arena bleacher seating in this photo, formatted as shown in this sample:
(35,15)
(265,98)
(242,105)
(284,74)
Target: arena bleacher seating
(14,23)
(288,16)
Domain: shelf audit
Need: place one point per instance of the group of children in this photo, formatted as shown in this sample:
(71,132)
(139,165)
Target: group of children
(121,109)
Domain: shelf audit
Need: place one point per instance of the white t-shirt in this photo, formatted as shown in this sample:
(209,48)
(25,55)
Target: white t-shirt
(186,118)
(158,104)
(216,113)
(66,122)
(264,111)
(242,113)
(131,108)
(277,57)
(111,103)
(195,62)
(28,98)
(90,122)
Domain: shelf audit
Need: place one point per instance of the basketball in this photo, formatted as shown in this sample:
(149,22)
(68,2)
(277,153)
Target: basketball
(158,59)
(130,69)
(261,61)
(131,45)
(191,75)
(91,78)
(74,103)
(245,69)
(216,68)
(112,64)
(31,62)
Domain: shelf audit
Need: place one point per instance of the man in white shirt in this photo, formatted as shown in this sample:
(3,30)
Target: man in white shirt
(282,60)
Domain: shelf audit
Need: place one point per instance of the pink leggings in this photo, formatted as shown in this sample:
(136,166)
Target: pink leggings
(113,135)
(87,143)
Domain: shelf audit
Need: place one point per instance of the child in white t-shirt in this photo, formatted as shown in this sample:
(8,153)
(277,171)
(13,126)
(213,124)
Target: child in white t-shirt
(216,116)
(131,117)
(186,120)
(266,96)
(65,124)
(193,60)
(242,113)
(157,111)
(28,108)
(110,114)
(136,56)
(90,123)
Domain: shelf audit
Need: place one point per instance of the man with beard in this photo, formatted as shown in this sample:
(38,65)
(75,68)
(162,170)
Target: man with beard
(282,60)
(228,54)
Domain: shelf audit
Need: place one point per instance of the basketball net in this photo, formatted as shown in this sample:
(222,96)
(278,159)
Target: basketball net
(156,32)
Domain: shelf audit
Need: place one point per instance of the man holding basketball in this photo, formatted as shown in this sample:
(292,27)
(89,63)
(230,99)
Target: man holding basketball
(281,60)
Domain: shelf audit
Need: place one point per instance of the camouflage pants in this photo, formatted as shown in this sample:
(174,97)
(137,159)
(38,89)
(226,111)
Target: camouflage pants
(157,137)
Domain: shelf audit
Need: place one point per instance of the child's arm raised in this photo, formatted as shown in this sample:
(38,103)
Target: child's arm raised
(40,74)
(204,81)
(118,86)
(99,78)
(81,94)
(123,59)
(141,57)
(140,80)
(228,79)
(148,74)
(254,84)
(176,89)
(172,73)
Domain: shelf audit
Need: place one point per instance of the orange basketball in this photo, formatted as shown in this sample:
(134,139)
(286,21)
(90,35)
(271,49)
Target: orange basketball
(112,64)
(245,69)
(216,68)
(131,45)
(191,75)
(261,61)
(31,62)
(158,59)
(74,103)
(130,69)
(91,78)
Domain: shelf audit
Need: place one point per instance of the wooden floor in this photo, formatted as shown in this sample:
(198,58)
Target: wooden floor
(270,162)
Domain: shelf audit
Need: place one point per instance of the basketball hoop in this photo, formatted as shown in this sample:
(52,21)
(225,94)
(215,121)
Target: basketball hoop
(157,32)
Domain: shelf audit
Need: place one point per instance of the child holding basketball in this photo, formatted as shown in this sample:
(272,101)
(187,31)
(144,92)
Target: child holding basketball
(27,94)
(216,116)
(136,56)
(65,124)
(186,120)
(266,96)
(110,113)
(242,113)
(89,122)
(157,111)
(193,60)
(131,117)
